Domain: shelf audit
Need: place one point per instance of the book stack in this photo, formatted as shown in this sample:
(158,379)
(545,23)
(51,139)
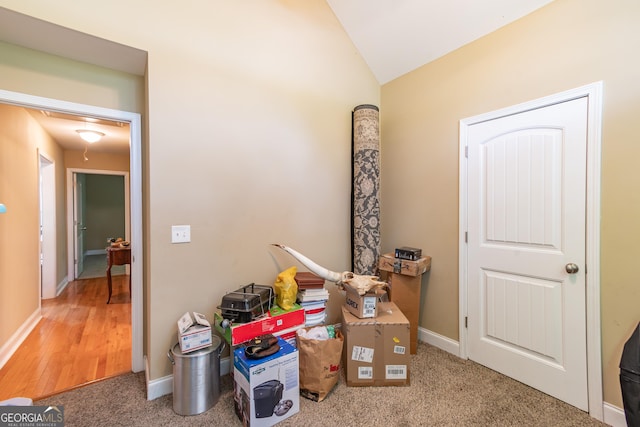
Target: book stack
(312,296)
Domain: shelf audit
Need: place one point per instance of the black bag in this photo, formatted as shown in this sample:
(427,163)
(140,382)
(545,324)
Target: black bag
(630,378)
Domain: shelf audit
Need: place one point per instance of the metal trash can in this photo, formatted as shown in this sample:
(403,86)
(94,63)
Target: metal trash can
(196,378)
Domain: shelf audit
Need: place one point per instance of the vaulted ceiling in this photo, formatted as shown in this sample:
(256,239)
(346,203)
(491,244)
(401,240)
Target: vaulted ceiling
(393,36)
(398,36)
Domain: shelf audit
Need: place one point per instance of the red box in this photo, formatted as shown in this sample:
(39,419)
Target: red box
(277,320)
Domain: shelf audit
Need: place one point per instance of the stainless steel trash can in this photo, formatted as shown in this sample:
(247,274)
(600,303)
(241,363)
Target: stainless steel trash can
(196,378)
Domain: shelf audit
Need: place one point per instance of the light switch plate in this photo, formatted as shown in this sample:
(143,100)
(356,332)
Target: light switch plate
(180,233)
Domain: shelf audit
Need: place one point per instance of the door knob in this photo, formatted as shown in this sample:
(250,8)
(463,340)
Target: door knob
(571,268)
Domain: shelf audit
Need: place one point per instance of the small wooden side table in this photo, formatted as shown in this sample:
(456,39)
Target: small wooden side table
(117,256)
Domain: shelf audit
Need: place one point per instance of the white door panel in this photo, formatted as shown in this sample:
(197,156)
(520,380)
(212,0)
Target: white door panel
(526,222)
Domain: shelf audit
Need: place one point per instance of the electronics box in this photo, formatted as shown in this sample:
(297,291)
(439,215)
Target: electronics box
(266,391)
(411,254)
(376,351)
(194,332)
(363,306)
(275,321)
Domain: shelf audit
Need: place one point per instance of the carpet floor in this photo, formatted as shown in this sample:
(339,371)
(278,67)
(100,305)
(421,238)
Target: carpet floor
(445,391)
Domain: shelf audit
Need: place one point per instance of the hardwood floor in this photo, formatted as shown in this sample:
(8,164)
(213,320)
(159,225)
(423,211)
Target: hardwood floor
(79,340)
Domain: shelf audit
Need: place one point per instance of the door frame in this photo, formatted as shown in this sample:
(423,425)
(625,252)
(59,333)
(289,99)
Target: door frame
(72,235)
(48,234)
(135,170)
(593,93)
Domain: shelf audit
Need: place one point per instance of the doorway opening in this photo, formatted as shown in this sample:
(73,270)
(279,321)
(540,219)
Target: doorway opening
(99,201)
(135,186)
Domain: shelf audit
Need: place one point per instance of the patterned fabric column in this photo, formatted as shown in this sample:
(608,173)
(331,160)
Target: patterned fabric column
(365,191)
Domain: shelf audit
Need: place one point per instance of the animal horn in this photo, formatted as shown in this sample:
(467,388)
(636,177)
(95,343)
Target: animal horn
(326,274)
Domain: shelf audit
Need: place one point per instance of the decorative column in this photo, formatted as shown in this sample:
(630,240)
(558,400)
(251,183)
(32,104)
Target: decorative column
(365,190)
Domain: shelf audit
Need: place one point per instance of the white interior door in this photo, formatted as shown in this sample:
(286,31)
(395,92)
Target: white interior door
(78,222)
(526,179)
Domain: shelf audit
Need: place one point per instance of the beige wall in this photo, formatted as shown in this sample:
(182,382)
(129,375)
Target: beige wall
(97,161)
(27,71)
(249,127)
(36,73)
(564,45)
(21,139)
(249,142)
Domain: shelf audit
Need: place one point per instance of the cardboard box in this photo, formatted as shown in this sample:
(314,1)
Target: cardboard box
(193,332)
(267,390)
(404,291)
(388,262)
(376,351)
(363,306)
(277,320)
(404,288)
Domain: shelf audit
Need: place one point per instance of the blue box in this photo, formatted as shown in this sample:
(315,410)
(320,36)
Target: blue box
(267,390)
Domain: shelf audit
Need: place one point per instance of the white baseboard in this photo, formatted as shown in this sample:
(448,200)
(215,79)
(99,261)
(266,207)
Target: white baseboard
(18,337)
(160,387)
(440,341)
(60,287)
(95,252)
(614,416)
(164,385)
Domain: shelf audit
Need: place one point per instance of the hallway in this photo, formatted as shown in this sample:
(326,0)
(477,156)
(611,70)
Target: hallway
(79,340)
(94,266)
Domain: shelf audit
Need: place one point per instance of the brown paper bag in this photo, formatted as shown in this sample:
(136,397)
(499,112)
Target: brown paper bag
(319,365)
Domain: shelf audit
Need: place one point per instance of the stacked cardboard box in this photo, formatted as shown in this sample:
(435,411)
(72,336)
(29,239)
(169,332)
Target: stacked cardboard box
(405,280)
(376,350)
(363,306)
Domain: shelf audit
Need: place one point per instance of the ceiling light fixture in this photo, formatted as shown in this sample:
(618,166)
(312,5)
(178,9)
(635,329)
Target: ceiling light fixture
(90,136)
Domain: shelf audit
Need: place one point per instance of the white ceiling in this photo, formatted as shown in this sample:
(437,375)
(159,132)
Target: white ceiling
(398,36)
(62,127)
(393,36)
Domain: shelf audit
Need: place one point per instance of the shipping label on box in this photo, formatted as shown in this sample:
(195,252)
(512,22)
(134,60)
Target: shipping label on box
(267,390)
(277,320)
(377,350)
(363,306)
(194,332)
